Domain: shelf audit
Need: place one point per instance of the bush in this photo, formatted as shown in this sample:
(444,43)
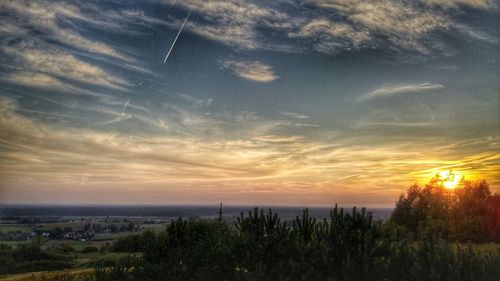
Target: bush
(27,258)
(90,249)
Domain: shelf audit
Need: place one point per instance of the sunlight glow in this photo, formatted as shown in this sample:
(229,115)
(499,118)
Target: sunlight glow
(450,179)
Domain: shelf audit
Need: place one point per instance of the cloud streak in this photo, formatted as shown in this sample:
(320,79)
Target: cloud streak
(477,4)
(336,26)
(401,89)
(258,162)
(45,15)
(60,64)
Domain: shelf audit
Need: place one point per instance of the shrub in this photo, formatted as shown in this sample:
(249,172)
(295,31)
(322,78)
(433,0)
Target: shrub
(90,249)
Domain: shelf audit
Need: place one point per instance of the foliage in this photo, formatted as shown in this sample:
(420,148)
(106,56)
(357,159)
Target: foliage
(415,245)
(31,257)
(467,213)
(90,249)
(347,246)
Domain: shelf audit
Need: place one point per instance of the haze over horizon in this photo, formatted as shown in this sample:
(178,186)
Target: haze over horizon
(260,102)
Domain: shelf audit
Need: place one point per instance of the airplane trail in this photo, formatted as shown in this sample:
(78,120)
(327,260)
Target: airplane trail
(122,114)
(176,37)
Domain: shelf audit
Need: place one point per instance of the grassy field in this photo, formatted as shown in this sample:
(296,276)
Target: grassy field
(14,227)
(49,275)
(75,244)
(110,236)
(75,225)
(155,227)
(15,243)
(487,248)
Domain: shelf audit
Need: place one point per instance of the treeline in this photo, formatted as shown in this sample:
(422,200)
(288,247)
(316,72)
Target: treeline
(347,246)
(467,213)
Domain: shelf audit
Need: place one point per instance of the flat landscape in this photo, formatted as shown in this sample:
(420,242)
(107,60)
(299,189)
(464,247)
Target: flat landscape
(250,140)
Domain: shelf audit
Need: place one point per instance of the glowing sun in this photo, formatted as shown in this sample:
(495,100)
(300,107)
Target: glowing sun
(450,179)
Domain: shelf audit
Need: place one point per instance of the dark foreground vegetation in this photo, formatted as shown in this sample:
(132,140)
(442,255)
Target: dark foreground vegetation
(31,257)
(428,238)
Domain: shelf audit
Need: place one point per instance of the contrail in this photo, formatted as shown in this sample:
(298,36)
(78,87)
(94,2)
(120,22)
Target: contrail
(176,37)
(122,114)
(125,106)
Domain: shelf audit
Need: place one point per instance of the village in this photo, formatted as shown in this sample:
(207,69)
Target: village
(24,229)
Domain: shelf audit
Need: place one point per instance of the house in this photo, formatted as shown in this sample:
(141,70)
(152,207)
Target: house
(69,235)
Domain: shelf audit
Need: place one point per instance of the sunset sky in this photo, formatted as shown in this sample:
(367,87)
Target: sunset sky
(260,102)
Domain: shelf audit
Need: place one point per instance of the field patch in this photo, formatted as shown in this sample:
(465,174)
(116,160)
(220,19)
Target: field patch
(49,275)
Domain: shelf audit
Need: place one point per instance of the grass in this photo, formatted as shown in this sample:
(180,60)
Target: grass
(77,245)
(85,259)
(13,228)
(110,236)
(486,248)
(16,243)
(75,225)
(48,275)
(89,259)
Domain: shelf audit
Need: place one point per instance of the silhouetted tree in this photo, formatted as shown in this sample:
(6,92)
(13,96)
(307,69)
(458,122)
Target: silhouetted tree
(465,213)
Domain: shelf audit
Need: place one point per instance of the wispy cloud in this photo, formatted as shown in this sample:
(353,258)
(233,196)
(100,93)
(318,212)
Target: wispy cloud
(44,81)
(294,115)
(275,163)
(343,25)
(61,64)
(478,4)
(252,70)
(234,22)
(374,18)
(195,102)
(46,15)
(400,89)
(329,37)
(271,164)
(87,114)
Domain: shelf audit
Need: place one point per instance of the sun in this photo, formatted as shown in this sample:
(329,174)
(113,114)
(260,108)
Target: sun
(450,179)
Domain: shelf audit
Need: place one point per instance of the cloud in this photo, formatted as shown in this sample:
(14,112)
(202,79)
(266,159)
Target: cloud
(199,143)
(251,70)
(61,64)
(48,82)
(399,89)
(331,26)
(195,102)
(233,22)
(404,24)
(477,4)
(328,36)
(50,48)
(35,152)
(394,124)
(294,115)
(347,24)
(45,16)
(69,153)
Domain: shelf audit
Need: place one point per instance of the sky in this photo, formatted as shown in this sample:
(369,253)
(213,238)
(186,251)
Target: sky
(282,102)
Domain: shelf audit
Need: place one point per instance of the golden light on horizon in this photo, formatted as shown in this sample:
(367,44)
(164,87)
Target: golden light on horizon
(450,179)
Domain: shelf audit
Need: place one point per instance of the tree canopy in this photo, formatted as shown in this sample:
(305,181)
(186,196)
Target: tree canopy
(468,212)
